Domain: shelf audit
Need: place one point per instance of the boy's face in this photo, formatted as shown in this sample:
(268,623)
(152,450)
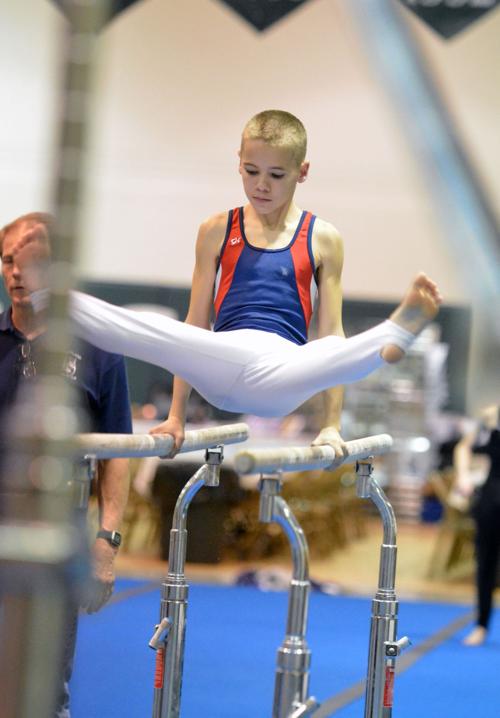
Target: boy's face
(270,175)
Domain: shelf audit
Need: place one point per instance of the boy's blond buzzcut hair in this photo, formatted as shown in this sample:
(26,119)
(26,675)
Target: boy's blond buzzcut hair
(278,128)
(32,217)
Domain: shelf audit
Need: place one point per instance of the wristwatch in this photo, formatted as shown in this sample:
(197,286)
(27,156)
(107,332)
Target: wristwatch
(114,538)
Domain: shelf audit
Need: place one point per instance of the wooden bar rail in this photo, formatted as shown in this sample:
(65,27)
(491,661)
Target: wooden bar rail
(303,458)
(108,446)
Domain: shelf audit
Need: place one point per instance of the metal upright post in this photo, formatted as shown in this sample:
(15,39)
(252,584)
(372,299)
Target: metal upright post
(42,564)
(169,637)
(294,657)
(383,646)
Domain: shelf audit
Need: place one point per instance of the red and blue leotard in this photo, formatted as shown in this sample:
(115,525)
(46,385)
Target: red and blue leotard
(268,289)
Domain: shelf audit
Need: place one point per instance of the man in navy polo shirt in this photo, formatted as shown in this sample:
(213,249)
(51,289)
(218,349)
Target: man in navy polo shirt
(102,388)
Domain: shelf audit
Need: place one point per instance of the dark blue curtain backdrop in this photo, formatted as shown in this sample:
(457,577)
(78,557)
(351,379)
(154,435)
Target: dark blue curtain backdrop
(263,13)
(449,17)
(259,13)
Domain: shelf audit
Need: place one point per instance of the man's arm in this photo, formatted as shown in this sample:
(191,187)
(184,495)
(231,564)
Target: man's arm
(112,494)
(210,237)
(329,254)
(111,414)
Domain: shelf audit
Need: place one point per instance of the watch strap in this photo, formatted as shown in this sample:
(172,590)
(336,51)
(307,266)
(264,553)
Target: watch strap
(112,537)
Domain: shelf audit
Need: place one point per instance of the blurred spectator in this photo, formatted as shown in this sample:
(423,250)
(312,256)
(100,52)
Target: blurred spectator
(485,507)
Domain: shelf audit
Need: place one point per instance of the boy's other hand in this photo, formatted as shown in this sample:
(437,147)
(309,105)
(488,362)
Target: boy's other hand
(330,436)
(174,427)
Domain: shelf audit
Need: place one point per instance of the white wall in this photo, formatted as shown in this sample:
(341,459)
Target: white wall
(176,82)
(28,87)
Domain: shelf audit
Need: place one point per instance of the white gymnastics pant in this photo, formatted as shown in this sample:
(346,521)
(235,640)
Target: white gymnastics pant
(246,371)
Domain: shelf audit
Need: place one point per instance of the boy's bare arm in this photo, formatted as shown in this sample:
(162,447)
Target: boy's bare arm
(210,237)
(329,254)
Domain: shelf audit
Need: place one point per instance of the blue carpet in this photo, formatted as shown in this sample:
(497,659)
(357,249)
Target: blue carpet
(449,682)
(453,681)
(231,642)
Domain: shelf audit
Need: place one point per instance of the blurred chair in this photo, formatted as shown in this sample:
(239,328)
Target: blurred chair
(141,525)
(453,554)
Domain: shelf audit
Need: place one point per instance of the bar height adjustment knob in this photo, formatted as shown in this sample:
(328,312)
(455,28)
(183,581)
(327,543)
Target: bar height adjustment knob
(160,635)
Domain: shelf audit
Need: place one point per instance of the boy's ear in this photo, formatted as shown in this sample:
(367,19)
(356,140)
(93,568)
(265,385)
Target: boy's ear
(304,169)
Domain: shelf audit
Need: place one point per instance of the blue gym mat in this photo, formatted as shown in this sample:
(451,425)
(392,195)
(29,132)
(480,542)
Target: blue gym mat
(231,641)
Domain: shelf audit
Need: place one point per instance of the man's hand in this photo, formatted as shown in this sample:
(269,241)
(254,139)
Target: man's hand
(330,436)
(174,427)
(32,254)
(102,582)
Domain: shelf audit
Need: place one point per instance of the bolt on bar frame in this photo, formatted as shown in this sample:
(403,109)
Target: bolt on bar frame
(291,698)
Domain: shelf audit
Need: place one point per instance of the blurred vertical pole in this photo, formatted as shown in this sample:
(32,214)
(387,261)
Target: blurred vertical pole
(42,560)
(461,203)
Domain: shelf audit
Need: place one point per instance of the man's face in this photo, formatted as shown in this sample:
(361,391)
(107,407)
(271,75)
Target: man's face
(11,273)
(270,175)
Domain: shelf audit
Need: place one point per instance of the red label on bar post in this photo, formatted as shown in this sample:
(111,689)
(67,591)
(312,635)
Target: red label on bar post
(389,687)
(160,667)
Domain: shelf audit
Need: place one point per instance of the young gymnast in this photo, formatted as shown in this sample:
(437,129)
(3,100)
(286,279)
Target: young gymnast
(257,267)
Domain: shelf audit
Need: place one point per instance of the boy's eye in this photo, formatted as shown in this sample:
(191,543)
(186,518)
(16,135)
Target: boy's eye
(253,172)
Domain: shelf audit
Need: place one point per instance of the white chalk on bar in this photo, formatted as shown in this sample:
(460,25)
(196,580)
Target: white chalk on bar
(110,446)
(303,458)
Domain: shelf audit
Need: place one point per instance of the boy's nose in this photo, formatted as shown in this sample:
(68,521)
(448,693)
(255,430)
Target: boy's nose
(263,184)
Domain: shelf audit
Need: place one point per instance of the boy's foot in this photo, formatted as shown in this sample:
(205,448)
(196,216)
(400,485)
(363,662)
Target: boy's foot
(418,307)
(476,637)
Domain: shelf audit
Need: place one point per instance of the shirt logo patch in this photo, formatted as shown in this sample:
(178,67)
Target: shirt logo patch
(70,365)
(234,241)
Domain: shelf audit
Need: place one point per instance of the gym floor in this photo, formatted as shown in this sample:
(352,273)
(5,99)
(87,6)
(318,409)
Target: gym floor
(232,676)
(354,568)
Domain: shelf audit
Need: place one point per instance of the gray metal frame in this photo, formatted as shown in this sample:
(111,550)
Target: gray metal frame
(383,646)
(291,699)
(169,637)
(291,686)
